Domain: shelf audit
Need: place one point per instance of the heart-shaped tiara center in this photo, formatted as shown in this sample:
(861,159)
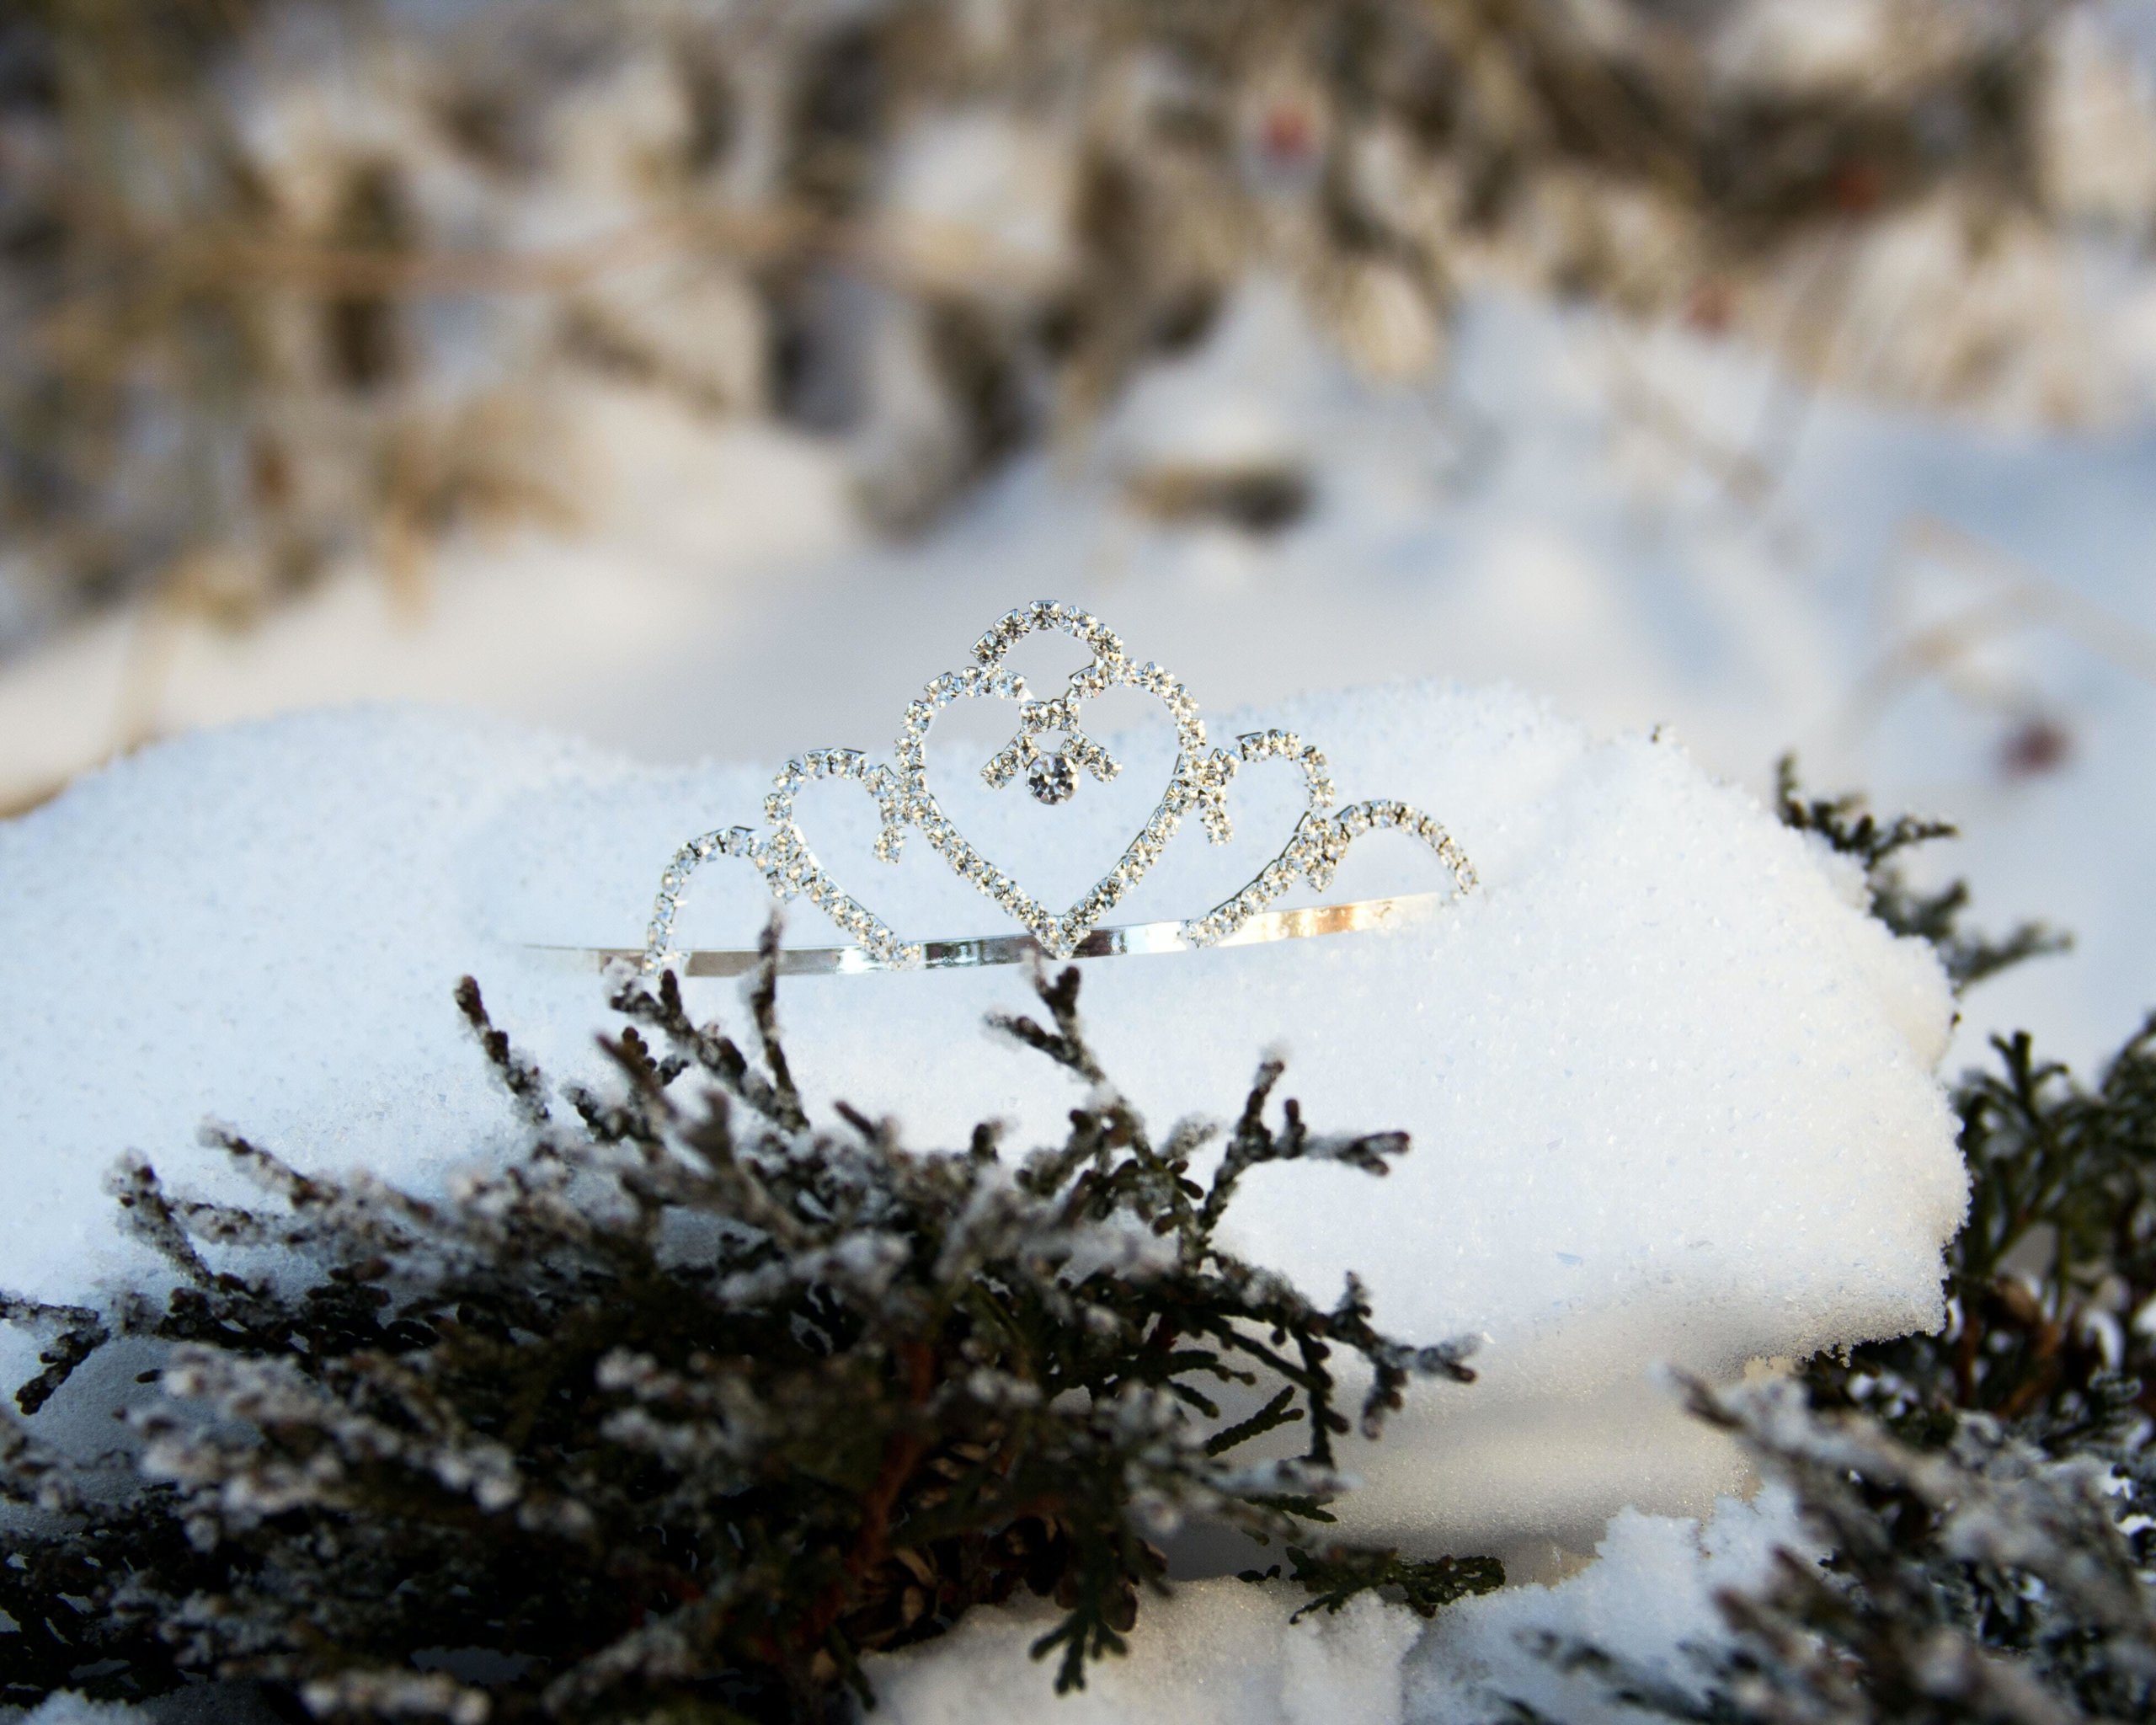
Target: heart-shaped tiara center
(1199,782)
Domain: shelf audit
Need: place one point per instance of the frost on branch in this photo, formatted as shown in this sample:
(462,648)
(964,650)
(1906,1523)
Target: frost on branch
(1982,1580)
(1844,825)
(693,1403)
(1985,1494)
(2051,1283)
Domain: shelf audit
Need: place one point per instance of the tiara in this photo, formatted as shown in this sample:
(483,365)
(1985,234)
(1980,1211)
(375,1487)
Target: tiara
(781,854)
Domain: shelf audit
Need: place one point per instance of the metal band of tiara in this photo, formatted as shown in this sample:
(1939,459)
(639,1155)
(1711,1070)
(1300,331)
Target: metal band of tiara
(905,802)
(1130,940)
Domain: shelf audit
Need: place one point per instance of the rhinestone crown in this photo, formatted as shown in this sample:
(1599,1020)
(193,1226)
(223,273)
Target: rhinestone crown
(1052,775)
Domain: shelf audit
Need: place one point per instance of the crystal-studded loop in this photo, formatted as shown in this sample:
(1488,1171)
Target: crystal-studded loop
(905,802)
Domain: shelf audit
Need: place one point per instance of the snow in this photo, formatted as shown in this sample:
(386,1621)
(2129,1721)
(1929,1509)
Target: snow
(978,187)
(498,623)
(1648,1599)
(1226,1650)
(204,1703)
(1218,1653)
(68,1708)
(1848,50)
(2096,128)
(1672,1092)
(1802,47)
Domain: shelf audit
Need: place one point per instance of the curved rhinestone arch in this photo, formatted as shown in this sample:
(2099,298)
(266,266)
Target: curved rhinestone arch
(904,800)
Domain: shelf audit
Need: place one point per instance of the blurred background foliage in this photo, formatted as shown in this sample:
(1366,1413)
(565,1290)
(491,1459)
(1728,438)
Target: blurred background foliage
(282,282)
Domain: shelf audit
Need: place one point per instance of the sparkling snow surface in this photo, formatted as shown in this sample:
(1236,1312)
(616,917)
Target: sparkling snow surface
(1671,1093)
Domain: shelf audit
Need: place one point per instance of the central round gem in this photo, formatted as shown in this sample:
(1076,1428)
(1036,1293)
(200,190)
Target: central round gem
(1053,780)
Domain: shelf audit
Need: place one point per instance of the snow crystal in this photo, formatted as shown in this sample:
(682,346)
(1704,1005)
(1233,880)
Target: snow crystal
(1670,1093)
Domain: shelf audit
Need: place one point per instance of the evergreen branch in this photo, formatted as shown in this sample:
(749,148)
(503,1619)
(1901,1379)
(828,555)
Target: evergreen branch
(519,1077)
(688,1398)
(1276,1412)
(1425,1585)
(81,1332)
(1847,826)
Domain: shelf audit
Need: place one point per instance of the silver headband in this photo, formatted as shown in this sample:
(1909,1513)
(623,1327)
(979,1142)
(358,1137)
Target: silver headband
(790,869)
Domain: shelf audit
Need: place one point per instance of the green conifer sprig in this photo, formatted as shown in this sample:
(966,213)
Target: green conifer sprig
(1847,825)
(1338,1574)
(1979,1580)
(692,1404)
(1985,1495)
(2051,1280)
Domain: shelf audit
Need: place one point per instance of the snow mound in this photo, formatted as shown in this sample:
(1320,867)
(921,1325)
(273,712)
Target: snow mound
(1670,1092)
(1217,1652)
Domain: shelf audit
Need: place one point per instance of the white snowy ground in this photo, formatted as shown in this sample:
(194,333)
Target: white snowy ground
(1671,1089)
(1643,529)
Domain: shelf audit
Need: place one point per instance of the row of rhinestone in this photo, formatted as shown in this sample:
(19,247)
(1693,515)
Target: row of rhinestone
(789,866)
(1201,778)
(1013,626)
(1315,852)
